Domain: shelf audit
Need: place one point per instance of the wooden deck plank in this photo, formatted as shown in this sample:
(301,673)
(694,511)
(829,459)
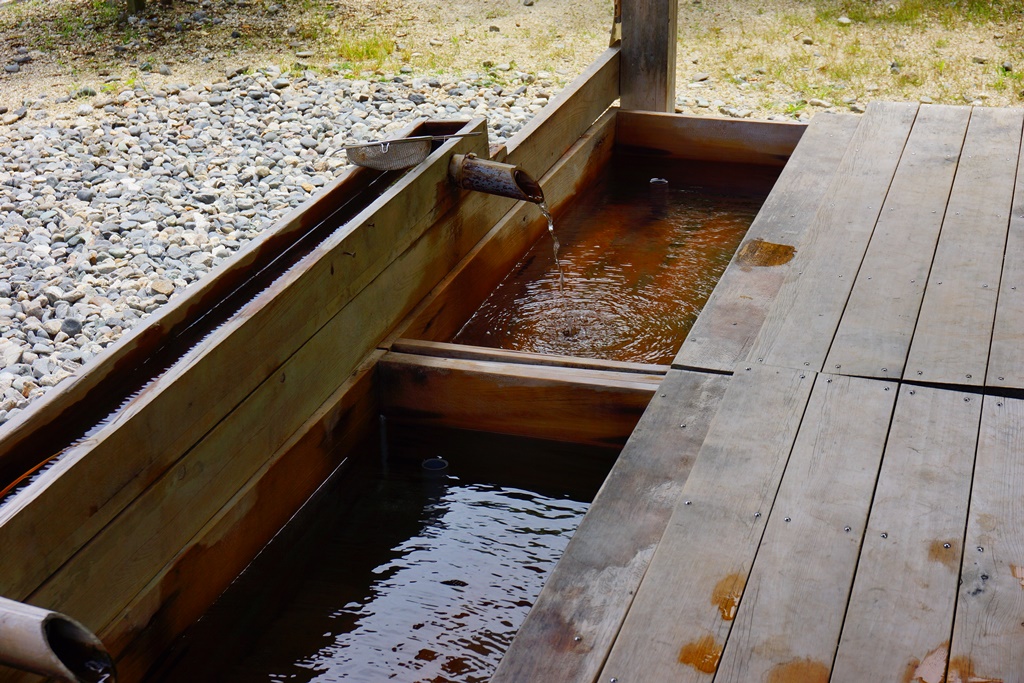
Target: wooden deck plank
(570,629)
(954,330)
(875,332)
(807,558)
(900,614)
(1006,356)
(725,330)
(800,326)
(990,607)
(675,629)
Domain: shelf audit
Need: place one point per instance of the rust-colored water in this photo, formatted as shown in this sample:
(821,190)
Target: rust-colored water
(638,262)
(398,573)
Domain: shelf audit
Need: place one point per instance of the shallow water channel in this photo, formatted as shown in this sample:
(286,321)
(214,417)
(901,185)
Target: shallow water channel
(397,573)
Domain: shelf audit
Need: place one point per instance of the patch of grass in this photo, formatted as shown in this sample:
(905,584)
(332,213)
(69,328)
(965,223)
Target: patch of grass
(918,13)
(365,48)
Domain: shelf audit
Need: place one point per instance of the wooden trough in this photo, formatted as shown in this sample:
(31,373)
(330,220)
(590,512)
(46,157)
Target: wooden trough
(151,510)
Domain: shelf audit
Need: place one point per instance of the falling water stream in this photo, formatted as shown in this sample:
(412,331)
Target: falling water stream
(543,206)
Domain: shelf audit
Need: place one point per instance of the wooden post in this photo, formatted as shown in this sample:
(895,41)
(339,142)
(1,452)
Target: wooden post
(648,76)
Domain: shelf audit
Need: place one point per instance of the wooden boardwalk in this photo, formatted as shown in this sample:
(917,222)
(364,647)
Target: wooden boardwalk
(829,483)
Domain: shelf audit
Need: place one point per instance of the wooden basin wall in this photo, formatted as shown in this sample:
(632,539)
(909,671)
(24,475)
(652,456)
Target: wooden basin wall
(139,527)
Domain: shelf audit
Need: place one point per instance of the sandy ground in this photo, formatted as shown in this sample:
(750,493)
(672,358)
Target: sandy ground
(771,57)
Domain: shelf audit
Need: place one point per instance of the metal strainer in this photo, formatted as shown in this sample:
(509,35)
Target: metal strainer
(397,153)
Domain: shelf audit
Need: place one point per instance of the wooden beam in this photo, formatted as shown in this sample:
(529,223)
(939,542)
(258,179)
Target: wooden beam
(706,138)
(596,407)
(446,350)
(649,29)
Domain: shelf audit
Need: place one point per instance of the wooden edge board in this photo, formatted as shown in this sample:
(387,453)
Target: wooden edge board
(568,632)
(990,606)
(729,322)
(597,407)
(900,611)
(707,138)
(184,497)
(182,591)
(446,309)
(547,137)
(676,628)
(117,463)
(808,555)
(447,350)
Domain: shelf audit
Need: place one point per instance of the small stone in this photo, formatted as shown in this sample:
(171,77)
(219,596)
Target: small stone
(164,70)
(699,77)
(1007,66)
(857,108)
(281,83)
(206,197)
(844,20)
(494,29)
(807,40)
(162,286)
(528,3)
(304,54)
(84,110)
(236,34)
(12,68)
(71,326)
(924,99)
(85,195)
(815,102)
(308,142)
(979,60)
(84,92)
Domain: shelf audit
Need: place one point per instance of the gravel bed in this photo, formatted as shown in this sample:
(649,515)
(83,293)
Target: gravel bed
(111,209)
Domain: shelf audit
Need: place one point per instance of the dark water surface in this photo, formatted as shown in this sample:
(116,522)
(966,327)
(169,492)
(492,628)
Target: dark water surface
(638,262)
(397,573)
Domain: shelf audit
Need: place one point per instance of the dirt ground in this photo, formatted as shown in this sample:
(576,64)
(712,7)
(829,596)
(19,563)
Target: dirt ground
(765,58)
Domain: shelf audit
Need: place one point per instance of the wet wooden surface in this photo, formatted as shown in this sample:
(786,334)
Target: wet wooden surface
(868,528)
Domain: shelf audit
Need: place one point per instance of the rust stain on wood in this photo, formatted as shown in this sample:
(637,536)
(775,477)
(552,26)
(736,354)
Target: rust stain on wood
(1018,573)
(703,655)
(946,552)
(757,252)
(800,671)
(930,670)
(961,670)
(726,595)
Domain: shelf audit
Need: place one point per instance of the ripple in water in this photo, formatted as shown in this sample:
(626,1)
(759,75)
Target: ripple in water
(638,260)
(448,605)
(419,577)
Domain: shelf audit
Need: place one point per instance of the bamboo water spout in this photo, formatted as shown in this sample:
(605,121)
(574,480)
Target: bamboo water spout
(471,173)
(51,644)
